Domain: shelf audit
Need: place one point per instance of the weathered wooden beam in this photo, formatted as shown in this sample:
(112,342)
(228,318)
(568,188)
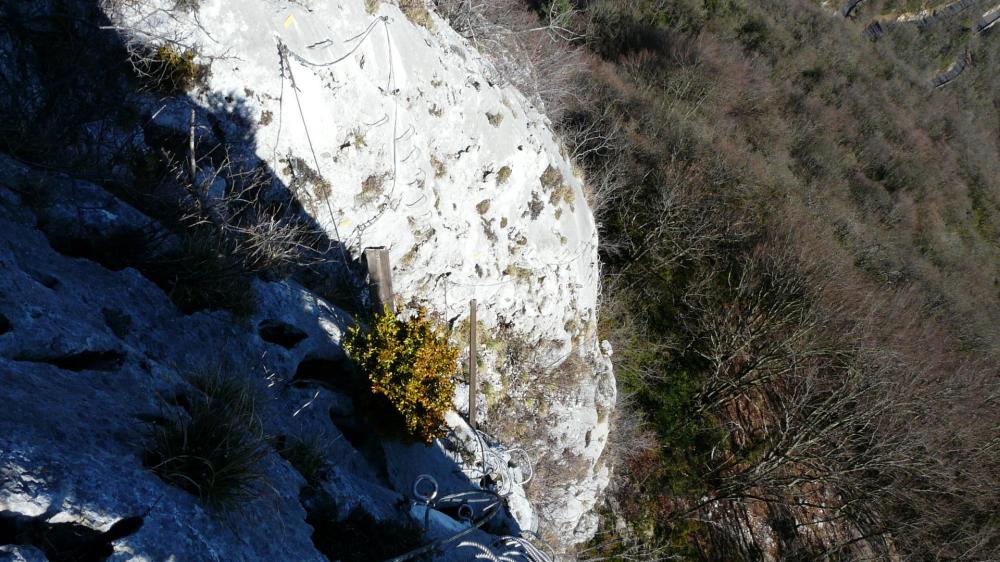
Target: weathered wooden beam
(473,355)
(380,277)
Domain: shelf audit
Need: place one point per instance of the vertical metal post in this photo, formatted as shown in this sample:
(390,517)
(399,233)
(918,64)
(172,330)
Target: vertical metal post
(473,345)
(380,277)
(385,283)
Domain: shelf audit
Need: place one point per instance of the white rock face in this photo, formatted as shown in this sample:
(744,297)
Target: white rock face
(462,180)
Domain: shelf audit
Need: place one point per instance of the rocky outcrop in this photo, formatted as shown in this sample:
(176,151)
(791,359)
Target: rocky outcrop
(87,355)
(395,137)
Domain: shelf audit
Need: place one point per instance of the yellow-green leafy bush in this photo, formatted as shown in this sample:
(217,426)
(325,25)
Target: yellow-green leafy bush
(172,70)
(409,363)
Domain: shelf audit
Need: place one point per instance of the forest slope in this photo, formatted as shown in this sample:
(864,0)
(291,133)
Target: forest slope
(800,238)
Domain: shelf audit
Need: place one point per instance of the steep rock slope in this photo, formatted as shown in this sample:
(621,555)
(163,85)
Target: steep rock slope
(400,142)
(86,355)
(92,358)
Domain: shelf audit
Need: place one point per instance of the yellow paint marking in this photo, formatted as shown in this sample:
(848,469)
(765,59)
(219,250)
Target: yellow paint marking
(289,21)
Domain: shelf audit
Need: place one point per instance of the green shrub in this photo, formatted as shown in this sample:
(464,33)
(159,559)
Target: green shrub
(409,364)
(213,445)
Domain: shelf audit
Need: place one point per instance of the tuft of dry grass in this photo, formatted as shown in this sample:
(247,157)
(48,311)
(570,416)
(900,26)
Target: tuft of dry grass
(168,68)
(440,168)
(213,444)
(358,138)
(307,456)
(417,12)
(551,178)
(372,188)
(503,175)
(518,272)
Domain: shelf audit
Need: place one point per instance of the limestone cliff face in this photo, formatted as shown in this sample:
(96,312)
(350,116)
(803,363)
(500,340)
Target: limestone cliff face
(389,133)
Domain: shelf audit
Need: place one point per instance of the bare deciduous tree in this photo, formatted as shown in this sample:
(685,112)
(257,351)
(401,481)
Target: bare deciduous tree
(540,60)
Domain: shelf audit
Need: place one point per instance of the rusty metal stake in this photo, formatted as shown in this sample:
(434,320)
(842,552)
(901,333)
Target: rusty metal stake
(472,363)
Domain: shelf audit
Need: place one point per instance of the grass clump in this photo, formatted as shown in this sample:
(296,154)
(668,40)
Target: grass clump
(205,273)
(358,138)
(418,13)
(213,444)
(551,178)
(440,168)
(409,364)
(562,193)
(503,176)
(555,185)
(306,457)
(371,189)
(187,5)
(518,272)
